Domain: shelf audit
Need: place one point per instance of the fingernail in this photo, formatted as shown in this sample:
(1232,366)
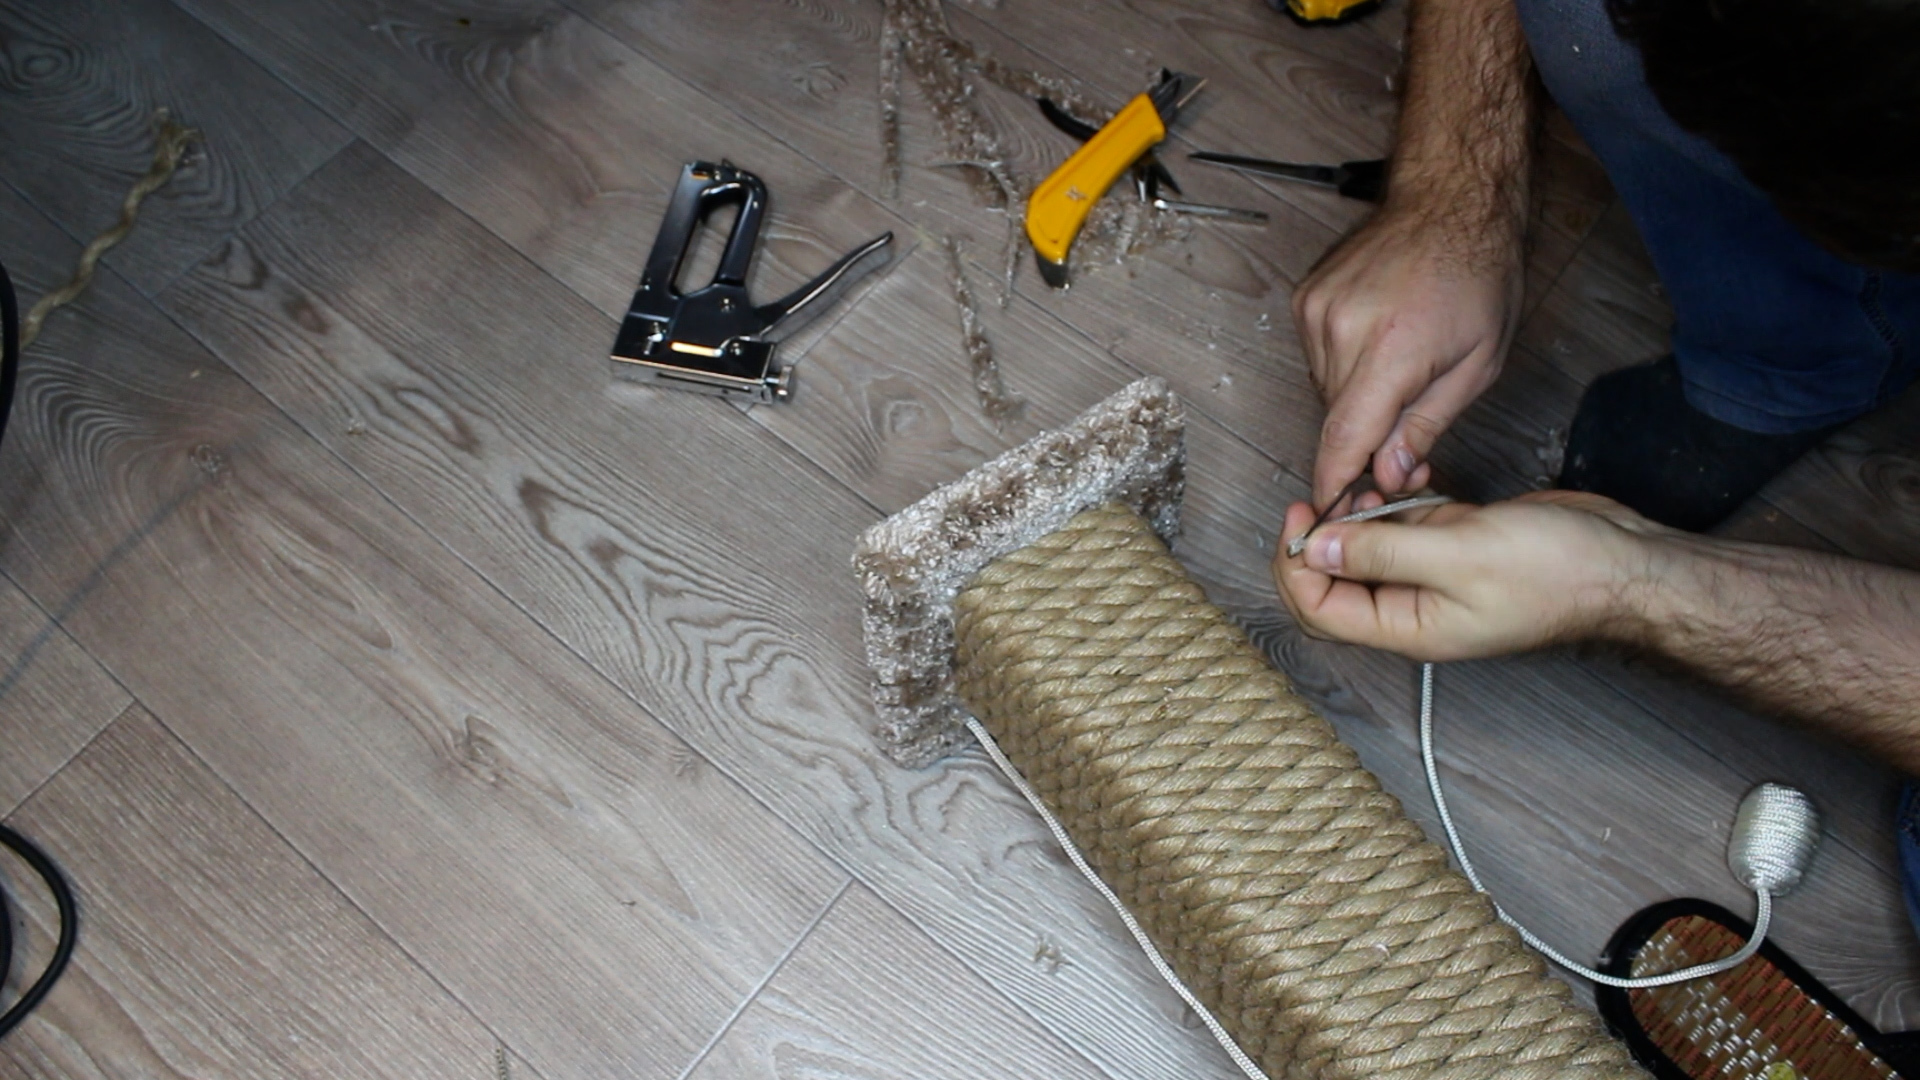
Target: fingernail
(1323,554)
(1403,457)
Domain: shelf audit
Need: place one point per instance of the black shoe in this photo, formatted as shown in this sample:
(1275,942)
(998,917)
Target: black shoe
(1637,441)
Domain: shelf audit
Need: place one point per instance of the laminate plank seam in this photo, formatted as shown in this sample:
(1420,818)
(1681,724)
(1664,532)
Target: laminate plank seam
(206,145)
(459,557)
(848,873)
(1552,283)
(378,928)
(7,813)
(248,808)
(52,628)
(617,43)
(820,331)
(871,192)
(1813,524)
(816,464)
(266,69)
(98,574)
(752,995)
(293,851)
(992,273)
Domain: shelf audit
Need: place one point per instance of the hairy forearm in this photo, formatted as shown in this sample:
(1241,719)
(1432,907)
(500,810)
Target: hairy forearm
(1463,152)
(1831,640)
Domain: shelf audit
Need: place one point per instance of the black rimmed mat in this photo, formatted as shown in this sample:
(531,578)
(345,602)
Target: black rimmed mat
(1767,1019)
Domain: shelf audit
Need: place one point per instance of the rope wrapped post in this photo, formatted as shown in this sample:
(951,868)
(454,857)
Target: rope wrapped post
(1288,891)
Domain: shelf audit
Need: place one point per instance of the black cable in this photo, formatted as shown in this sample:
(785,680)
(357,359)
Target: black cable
(69,929)
(49,873)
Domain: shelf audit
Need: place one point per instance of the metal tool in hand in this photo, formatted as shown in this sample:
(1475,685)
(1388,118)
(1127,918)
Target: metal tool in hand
(714,340)
(1359,486)
(1059,206)
(1362,180)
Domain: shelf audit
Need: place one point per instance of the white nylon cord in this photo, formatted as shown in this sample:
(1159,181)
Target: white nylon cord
(1299,543)
(1140,937)
(1774,834)
(1763,914)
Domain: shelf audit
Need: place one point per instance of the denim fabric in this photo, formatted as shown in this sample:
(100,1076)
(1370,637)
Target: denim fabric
(1907,833)
(1772,334)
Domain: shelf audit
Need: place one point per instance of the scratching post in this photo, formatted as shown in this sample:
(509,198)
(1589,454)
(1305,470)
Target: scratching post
(1289,892)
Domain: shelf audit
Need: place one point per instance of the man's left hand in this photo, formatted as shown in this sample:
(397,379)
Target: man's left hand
(1469,581)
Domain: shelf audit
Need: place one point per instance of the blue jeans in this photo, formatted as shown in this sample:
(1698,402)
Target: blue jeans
(1771,333)
(1907,835)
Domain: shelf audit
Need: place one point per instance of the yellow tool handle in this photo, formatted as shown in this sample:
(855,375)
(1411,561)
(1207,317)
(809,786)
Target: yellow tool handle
(1060,204)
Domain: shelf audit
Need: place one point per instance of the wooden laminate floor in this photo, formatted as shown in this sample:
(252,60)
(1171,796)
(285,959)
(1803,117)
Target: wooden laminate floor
(405,696)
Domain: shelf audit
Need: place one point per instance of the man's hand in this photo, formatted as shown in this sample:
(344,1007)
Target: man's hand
(1833,640)
(1409,319)
(1469,581)
(1404,325)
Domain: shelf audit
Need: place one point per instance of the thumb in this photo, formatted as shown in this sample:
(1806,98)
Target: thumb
(1387,552)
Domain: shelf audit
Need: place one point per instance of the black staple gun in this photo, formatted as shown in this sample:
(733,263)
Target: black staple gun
(713,339)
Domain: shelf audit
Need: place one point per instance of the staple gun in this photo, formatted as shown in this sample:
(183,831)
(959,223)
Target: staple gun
(714,339)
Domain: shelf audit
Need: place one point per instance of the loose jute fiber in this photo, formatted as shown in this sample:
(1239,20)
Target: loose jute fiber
(1290,893)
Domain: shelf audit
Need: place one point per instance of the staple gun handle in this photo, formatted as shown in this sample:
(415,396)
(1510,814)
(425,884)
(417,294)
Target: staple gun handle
(1060,205)
(703,187)
(794,309)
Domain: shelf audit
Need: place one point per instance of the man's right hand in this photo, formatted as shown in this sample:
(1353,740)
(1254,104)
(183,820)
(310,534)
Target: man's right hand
(1404,324)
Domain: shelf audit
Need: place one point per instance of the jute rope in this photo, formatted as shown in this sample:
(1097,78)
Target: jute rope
(170,145)
(1288,891)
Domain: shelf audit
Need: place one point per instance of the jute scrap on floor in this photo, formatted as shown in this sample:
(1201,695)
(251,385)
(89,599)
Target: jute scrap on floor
(1287,890)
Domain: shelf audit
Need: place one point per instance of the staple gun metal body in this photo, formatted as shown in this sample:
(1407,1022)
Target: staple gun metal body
(714,339)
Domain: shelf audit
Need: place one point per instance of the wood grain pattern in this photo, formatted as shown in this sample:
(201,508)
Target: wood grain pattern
(1629,706)
(515,659)
(53,696)
(1208,311)
(301,253)
(374,65)
(529,833)
(896,423)
(868,995)
(569,103)
(817,92)
(210,947)
(1607,309)
(582,141)
(689,555)
(82,81)
(1861,490)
